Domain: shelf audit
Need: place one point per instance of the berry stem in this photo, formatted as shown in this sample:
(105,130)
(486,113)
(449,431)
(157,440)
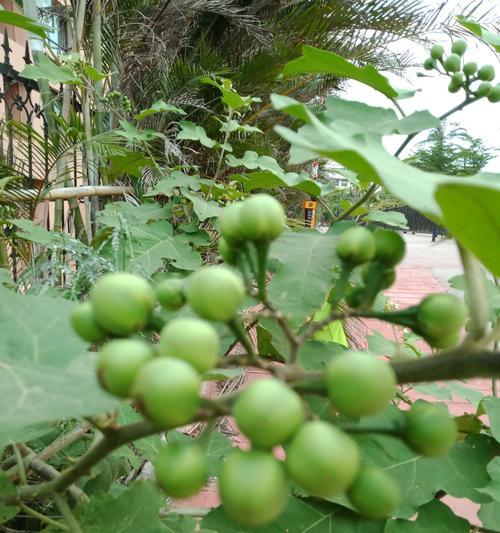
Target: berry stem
(262,252)
(341,285)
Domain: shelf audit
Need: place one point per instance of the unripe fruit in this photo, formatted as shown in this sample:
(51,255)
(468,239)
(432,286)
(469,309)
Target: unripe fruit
(84,323)
(323,459)
(483,89)
(388,276)
(452,88)
(215,293)
(459,47)
(119,362)
(360,384)
(429,64)
(191,339)
(390,247)
(486,73)
(167,391)
(470,68)
(440,315)
(494,94)
(356,246)
(355,297)
(437,51)
(458,78)
(262,218)
(452,63)
(444,343)
(430,429)
(181,469)
(227,252)
(374,493)
(229,223)
(253,487)
(122,302)
(170,293)
(268,412)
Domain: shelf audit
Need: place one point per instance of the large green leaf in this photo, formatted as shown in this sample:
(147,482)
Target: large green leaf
(317,61)
(135,509)
(493,39)
(460,473)
(203,209)
(159,107)
(301,515)
(489,514)
(46,69)
(153,243)
(148,446)
(267,180)
(390,218)
(471,212)
(435,516)
(491,407)
(176,180)
(135,136)
(493,488)
(45,372)
(130,163)
(7,488)
(192,132)
(305,274)
(20,21)
(27,229)
(229,96)
(115,213)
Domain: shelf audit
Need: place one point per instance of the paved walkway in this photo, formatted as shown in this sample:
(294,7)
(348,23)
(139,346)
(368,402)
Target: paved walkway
(426,269)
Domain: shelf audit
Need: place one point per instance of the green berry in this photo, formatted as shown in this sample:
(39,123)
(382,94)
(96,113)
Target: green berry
(374,493)
(494,94)
(390,247)
(262,218)
(215,293)
(459,47)
(430,430)
(440,315)
(228,253)
(356,246)
(429,64)
(192,339)
(452,63)
(483,89)
(85,324)
(486,73)
(229,222)
(181,470)
(119,363)
(437,51)
(452,88)
(470,68)
(359,384)
(458,78)
(170,293)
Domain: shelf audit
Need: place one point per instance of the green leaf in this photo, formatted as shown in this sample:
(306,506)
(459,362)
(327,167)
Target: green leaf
(317,61)
(45,372)
(153,243)
(460,473)
(28,230)
(148,446)
(7,488)
(176,180)
(493,39)
(229,96)
(489,514)
(135,509)
(93,73)
(46,69)
(135,136)
(114,213)
(159,107)
(130,163)
(435,516)
(301,515)
(222,374)
(192,132)
(493,488)
(491,407)
(202,208)
(470,210)
(390,218)
(305,274)
(177,523)
(365,155)
(379,345)
(20,21)
(381,120)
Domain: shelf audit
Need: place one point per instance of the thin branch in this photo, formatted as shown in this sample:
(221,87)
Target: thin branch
(373,187)
(44,519)
(66,513)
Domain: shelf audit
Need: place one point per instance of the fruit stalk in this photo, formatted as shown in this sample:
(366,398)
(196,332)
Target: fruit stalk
(262,252)
(341,285)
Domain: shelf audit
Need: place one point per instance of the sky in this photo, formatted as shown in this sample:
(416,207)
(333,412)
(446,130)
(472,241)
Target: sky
(480,119)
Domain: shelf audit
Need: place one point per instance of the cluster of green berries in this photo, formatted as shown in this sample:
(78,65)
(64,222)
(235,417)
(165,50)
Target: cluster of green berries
(117,98)
(164,381)
(463,75)
(438,318)
(259,219)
